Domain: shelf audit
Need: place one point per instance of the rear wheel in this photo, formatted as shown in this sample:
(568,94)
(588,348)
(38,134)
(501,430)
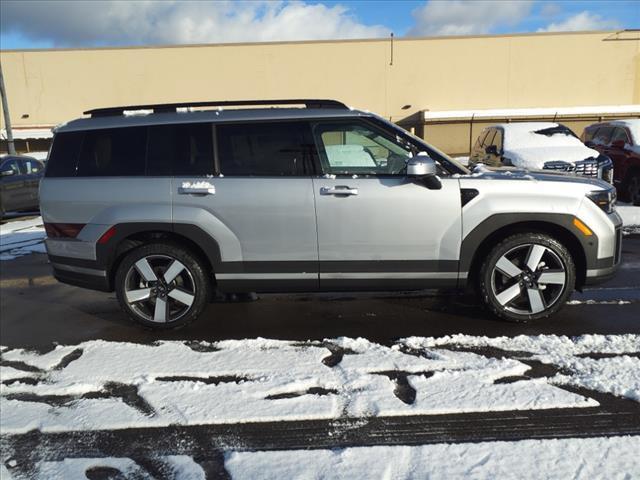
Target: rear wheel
(527,276)
(162,286)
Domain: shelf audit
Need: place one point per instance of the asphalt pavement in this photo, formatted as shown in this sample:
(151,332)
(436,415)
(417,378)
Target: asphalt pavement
(38,312)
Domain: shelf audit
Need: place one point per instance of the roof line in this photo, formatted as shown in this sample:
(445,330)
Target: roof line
(302,42)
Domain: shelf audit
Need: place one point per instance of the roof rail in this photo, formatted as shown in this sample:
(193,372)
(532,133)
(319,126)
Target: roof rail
(172,107)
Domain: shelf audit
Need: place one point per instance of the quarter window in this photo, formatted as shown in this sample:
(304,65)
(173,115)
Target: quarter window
(263,149)
(357,148)
(63,158)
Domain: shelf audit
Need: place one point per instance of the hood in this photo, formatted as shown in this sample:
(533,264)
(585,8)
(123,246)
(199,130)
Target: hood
(485,173)
(536,157)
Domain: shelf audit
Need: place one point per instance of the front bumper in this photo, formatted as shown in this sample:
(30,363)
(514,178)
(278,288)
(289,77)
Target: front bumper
(605,269)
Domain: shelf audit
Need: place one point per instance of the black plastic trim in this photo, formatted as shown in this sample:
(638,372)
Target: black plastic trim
(385,284)
(495,222)
(92,282)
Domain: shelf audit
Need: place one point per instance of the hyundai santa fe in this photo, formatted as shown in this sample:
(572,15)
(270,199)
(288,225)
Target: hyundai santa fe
(168,204)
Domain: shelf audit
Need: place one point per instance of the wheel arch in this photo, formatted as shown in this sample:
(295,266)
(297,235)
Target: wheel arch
(131,235)
(477,244)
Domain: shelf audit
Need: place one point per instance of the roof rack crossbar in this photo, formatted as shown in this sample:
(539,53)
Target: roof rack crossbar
(172,107)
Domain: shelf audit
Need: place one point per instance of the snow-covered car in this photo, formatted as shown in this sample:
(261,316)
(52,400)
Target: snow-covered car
(620,141)
(539,146)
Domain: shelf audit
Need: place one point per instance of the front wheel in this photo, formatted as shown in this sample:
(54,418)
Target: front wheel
(527,276)
(162,286)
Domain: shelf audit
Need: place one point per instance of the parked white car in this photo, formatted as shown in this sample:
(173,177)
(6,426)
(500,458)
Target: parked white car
(539,146)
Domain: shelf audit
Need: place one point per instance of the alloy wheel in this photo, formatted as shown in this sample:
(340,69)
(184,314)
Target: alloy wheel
(528,279)
(159,288)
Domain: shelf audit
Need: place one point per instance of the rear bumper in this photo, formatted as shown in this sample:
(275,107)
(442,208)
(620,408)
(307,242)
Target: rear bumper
(80,273)
(83,280)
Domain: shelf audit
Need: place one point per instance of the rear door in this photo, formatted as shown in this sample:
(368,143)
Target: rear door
(254,196)
(378,229)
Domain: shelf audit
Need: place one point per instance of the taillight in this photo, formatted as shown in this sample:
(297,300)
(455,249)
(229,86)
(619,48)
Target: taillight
(106,236)
(63,230)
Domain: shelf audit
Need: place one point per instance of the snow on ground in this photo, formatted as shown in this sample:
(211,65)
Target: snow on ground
(587,459)
(258,380)
(575,458)
(630,218)
(21,237)
(619,375)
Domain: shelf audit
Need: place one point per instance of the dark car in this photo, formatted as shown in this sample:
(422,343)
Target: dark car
(620,141)
(19,181)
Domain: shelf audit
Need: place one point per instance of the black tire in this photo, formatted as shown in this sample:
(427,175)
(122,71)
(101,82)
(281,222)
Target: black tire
(537,293)
(191,281)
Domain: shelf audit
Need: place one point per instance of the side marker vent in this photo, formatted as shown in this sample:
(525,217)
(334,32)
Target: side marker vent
(468,194)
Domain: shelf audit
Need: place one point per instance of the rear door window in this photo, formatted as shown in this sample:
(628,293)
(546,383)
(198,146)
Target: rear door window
(32,167)
(489,138)
(113,152)
(497,140)
(620,134)
(264,149)
(180,150)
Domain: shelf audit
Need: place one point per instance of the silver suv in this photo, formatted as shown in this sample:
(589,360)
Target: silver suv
(167,204)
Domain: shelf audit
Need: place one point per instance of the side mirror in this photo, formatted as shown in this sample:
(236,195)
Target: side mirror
(491,150)
(424,169)
(7,173)
(421,166)
(589,144)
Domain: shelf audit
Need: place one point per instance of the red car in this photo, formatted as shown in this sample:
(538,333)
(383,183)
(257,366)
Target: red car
(620,141)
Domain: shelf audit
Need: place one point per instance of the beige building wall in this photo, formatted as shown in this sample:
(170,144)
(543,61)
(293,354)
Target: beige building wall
(46,87)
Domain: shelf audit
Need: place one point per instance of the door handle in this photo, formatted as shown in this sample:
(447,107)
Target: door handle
(197,190)
(338,190)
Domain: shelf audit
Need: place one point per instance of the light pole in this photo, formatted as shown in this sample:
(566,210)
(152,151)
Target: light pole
(5,111)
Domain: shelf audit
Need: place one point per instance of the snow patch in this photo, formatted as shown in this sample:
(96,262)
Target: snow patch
(21,238)
(614,457)
(257,380)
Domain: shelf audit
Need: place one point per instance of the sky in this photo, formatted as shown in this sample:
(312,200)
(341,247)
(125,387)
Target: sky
(95,23)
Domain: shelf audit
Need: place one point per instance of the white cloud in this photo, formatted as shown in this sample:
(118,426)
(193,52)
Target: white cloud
(466,17)
(582,21)
(81,23)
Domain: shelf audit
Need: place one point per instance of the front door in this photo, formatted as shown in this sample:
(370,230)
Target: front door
(378,229)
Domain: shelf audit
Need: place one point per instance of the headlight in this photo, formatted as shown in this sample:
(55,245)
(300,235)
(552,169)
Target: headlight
(605,199)
(605,168)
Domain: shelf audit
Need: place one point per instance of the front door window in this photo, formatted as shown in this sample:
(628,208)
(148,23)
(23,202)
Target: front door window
(354,148)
